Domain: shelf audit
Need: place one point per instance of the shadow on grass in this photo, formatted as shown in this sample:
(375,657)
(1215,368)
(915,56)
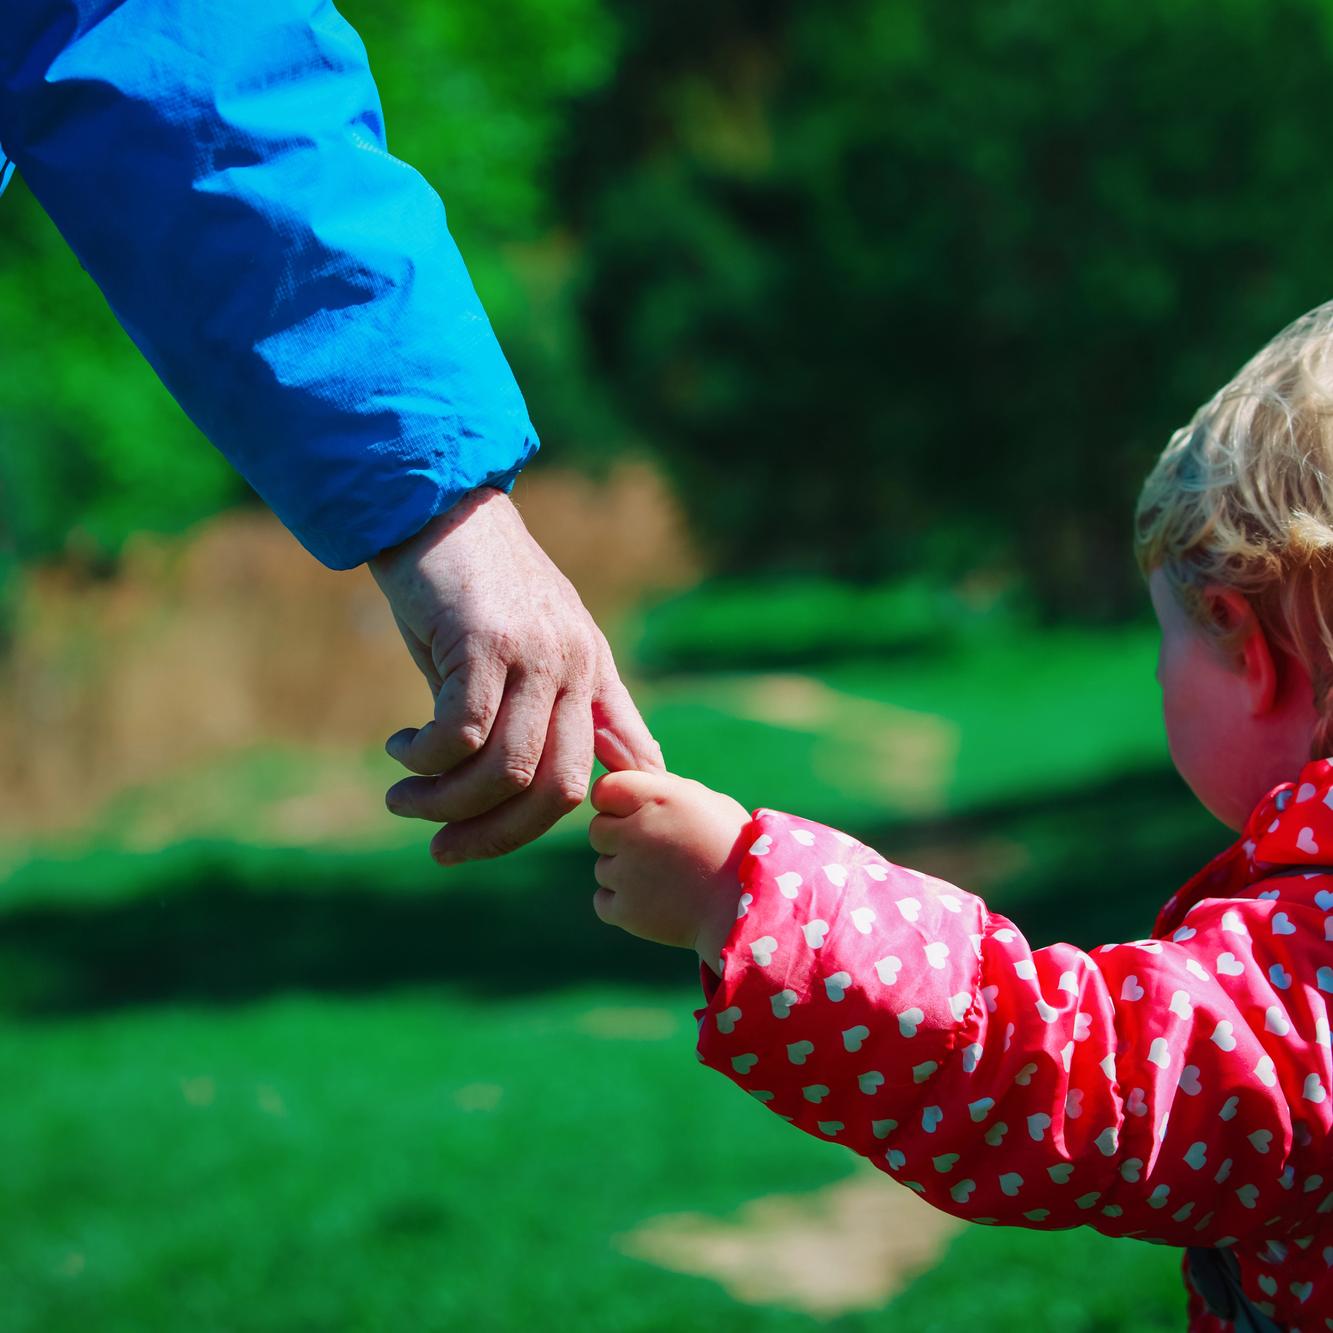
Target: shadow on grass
(225,924)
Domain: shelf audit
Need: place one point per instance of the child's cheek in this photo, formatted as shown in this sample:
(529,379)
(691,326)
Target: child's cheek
(1206,723)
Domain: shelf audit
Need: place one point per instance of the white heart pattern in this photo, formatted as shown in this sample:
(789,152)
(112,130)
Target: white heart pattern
(887,969)
(837,986)
(937,953)
(863,918)
(798,1051)
(815,932)
(962,1191)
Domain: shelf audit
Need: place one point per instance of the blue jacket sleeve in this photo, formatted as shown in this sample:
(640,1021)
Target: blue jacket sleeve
(220,169)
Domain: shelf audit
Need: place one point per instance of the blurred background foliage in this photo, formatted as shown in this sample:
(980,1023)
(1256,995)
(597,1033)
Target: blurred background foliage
(984,256)
(850,331)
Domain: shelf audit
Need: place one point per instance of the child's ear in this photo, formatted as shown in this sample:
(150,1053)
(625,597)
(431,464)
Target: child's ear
(1251,652)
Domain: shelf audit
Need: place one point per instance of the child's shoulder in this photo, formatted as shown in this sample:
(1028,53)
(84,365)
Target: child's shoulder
(1308,889)
(1277,928)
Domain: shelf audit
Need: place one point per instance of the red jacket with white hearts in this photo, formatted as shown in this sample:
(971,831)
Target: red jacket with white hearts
(1175,1088)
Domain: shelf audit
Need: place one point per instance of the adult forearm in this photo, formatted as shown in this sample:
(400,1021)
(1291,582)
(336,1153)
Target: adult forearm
(220,169)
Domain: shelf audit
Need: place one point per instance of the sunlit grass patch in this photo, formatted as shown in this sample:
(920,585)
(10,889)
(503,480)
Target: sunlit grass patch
(424,1161)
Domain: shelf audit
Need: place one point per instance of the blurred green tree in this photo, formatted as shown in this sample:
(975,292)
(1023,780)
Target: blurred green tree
(890,285)
(895,283)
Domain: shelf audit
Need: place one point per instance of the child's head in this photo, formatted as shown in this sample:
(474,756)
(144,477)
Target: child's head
(1234,530)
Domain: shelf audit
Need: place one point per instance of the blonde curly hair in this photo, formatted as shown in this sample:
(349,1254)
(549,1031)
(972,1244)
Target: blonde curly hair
(1242,498)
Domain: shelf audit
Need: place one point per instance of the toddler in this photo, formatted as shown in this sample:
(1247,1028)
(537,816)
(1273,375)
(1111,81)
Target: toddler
(1177,1088)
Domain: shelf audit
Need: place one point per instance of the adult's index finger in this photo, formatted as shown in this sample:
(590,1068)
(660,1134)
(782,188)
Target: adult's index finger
(466,706)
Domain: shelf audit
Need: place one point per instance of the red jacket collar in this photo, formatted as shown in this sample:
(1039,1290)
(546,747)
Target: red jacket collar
(1292,827)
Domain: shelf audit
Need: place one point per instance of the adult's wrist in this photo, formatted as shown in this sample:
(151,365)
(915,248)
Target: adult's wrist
(408,553)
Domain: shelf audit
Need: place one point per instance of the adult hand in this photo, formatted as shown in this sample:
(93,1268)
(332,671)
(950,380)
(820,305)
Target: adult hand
(524,683)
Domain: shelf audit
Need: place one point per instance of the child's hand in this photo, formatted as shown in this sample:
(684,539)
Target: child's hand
(670,849)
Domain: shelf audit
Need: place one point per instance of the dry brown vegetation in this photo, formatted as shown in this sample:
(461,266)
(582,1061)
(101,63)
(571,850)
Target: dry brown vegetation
(232,636)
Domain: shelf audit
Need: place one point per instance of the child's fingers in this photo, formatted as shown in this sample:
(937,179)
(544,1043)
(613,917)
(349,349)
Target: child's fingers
(604,872)
(623,793)
(604,833)
(604,904)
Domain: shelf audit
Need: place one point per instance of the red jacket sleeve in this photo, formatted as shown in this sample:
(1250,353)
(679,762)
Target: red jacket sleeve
(1172,1089)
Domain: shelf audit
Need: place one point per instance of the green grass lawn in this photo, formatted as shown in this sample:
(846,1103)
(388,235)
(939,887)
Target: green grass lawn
(426,1161)
(264,1084)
